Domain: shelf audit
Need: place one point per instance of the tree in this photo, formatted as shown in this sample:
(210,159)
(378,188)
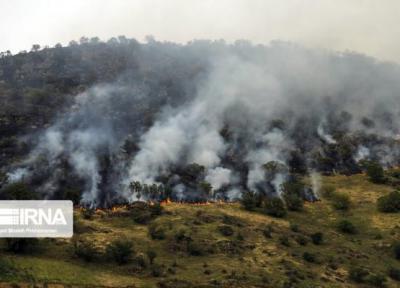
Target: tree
(136,187)
(249,200)
(375,172)
(151,254)
(206,187)
(18,191)
(35,47)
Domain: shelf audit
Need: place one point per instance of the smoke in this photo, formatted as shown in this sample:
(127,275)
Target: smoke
(219,177)
(315,183)
(325,136)
(230,109)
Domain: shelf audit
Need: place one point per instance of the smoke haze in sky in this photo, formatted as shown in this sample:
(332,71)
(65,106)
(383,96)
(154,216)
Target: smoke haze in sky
(366,26)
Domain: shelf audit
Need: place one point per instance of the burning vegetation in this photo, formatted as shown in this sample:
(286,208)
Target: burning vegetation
(196,123)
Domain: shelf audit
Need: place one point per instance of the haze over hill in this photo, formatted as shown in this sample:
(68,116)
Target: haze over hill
(366,26)
(122,120)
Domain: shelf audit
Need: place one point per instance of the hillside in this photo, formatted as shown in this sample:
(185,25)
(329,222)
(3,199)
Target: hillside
(222,245)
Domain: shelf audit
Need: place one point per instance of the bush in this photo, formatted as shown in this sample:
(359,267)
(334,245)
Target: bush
(88,213)
(195,249)
(120,250)
(309,257)
(328,191)
(7,268)
(346,226)
(275,207)
(284,240)
(341,201)
(376,280)
(267,232)
(85,250)
(317,238)
(142,213)
(294,202)
(396,250)
(156,209)
(294,227)
(389,203)
(156,232)
(226,230)
(301,240)
(394,273)
(21,245)
(157,271)
(358,274)
(181,235)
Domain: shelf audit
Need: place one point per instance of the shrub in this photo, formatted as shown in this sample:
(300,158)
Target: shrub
(267,232)
(7,268)
(142,213)
(181,235)
(328,191)
(249,200)
(317,238)
(85,250)
(346,226)
(151,255)
(120,250)
(21,245)
(389,203)
(157,271)
(396,250)
(341,201)
(309,257)
(394,273)
(226,230)
(376,280)
(301,240)
(195,249)
(294,202)
(375,172)
(284,240)
(275,207)
(358,274)
(88,213)
(156,209)
(156,232)
(294,227)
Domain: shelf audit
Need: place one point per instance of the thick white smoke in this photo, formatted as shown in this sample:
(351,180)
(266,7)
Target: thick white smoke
(234,108)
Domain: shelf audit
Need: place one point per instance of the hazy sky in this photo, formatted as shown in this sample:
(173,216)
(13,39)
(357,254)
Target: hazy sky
(367,26)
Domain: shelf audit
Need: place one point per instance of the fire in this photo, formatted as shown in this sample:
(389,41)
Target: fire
(168,201)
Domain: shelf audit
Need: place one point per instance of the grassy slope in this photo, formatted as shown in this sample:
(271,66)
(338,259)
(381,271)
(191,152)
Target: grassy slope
(267,263)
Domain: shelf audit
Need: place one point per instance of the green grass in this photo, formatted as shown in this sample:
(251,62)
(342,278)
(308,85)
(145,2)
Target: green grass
(260,260)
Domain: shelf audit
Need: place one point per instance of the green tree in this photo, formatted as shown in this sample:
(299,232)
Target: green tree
(151,255)
(375,172)
(18,191)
